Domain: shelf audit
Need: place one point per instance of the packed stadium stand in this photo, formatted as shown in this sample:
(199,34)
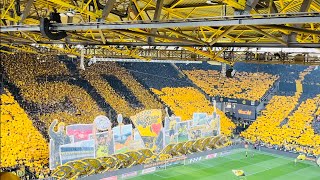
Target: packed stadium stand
(176,91)
(183,101)
(286,73)
(157,75)
(250,86)
(22,146)
(160,89)
(40,90)
(59,87)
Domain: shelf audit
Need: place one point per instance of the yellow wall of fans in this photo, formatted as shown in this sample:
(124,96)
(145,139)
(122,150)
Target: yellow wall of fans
(187,100)
(24,71)
(250,86)
(297,134)
(21,142)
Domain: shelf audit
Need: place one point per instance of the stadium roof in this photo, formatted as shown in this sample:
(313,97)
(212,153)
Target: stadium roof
(204,28)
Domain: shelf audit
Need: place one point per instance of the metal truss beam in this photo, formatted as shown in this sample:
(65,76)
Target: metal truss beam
(234,4)
(294,29)
(186,55)
(24,48)
(159,36)
(107,9)
(272,7)
(135,10)
(186,36)
(26,11)
(223,34)
(305,5)
(156,17)
(139,60)
(177,44)
(209,55)
(268,35)
(296,18)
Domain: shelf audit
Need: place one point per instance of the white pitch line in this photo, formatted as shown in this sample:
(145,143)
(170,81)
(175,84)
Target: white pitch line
(164,177)
(286,158)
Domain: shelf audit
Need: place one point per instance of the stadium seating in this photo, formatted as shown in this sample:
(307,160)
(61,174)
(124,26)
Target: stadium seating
(21,142)
(296,134)
(94,75)
(184,101)
(48,88)
(56,98)
(250,86)
(156,75)
(265,128)
(286,73)
(59,90)
(313,78)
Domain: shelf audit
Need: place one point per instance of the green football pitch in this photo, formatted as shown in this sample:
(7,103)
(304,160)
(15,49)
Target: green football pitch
(262,166)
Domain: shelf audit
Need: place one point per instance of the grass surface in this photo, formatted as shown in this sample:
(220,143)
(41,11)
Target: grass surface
(263,166)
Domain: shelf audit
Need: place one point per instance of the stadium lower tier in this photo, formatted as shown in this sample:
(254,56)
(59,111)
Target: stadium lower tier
(186,100)
(21,143)
(278,128)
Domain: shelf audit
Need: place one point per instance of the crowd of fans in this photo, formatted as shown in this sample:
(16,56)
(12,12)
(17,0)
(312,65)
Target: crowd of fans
(313,78)
(250,86)
(22,146)
(59,91)
(297,134)
(30,75)
(49,82)
(284,126)
(299,127)
(286,73)
(157,75)
(266,126)
(316,122)
(94,75)
(184,101)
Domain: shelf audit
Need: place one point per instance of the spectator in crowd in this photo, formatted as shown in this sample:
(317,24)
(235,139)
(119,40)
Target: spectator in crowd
(249,86)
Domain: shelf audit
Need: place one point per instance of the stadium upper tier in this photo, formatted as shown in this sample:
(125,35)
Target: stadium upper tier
(157,75)
(250,86)
(286,73)
(58,89)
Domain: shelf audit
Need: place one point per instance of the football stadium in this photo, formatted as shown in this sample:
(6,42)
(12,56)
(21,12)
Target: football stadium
(160,89)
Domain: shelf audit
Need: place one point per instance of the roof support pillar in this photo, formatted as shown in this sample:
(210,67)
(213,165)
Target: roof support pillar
(156,17)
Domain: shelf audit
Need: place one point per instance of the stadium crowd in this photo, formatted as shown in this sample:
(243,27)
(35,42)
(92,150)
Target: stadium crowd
(94,75)
(283,126)
(52,89)
(45,83)
(50,84)
(23,148)
(250,86)
(184,101)
(286,73)
(297,134)
(58,90)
